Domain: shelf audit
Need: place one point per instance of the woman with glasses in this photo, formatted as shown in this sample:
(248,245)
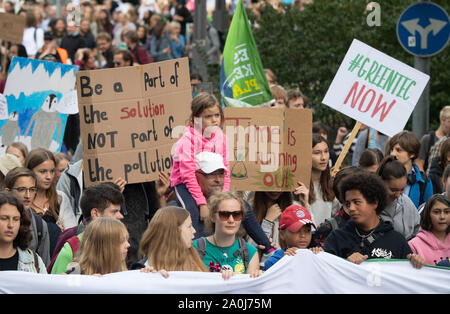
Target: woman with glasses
(224,250)
(21,182)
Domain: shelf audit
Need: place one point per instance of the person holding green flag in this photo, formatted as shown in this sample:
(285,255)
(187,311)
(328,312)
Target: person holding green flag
(242,79)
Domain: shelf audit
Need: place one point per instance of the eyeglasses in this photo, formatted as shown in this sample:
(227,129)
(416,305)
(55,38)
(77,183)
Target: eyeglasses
(224,216)
(116,63)
(23,190)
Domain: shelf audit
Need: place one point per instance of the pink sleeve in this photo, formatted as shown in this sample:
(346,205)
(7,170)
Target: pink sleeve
(187,172)
(411,244)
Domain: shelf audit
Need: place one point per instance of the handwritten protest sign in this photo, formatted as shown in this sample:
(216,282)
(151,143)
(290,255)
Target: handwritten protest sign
(269,149)
(375,89)
(127,116)
(11,27)
(32,91)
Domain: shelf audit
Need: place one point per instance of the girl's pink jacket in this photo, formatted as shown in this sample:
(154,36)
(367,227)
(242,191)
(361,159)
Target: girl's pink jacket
(184,163)
(429,247)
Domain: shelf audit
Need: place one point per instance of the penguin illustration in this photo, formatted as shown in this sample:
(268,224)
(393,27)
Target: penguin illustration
(10,129)
(46,121)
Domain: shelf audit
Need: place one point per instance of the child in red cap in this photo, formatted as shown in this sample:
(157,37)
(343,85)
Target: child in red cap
(295,233)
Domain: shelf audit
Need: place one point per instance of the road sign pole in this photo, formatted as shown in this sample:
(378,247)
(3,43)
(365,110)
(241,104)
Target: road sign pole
(423,30)
(421,113)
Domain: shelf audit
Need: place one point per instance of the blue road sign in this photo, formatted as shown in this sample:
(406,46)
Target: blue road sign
(423,29)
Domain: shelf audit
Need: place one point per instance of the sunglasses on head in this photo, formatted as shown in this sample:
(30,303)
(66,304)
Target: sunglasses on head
(224,216)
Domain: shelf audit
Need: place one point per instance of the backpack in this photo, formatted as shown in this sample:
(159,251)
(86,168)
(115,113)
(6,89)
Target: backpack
(74,243)
(243,250)
(35,260)
(411,180)
(39,227)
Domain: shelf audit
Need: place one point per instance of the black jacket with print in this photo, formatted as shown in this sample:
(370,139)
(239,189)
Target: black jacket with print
(387,243)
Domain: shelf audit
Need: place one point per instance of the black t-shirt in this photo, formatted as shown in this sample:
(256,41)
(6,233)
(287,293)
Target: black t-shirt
(388,243)
(10,263)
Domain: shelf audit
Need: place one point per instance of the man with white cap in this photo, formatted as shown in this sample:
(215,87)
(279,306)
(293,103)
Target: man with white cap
(210,176)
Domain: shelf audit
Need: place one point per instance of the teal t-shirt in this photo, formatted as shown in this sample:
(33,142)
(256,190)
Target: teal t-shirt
(215,259)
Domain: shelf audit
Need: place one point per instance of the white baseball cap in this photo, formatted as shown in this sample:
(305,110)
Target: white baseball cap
(209,162)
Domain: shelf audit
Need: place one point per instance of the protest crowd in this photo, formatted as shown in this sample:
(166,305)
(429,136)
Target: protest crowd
(390,200)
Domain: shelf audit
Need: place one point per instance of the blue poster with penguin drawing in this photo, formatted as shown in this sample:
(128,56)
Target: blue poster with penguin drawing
(36,116)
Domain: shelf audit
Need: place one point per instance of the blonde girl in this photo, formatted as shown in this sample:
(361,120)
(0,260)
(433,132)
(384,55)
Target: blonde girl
(103,249)
(167,242)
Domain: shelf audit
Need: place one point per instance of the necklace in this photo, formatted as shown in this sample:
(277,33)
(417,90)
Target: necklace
(220,249)
(363,237)
(40,209)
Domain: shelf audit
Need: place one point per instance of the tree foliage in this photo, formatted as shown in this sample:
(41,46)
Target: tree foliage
(305,48)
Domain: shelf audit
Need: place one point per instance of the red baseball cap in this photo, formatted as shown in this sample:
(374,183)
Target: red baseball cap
(294,218)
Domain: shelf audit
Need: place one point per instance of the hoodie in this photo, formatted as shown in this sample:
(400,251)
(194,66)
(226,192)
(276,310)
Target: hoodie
(388,243)
(430,248)
(184,162)
(403,215)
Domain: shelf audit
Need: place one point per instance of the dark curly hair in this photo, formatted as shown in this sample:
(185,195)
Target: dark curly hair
(369,185)
(340,175)
(24,236)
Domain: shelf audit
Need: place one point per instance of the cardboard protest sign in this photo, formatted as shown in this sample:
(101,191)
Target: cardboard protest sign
(12,27)
(375,89)
(269,149)
(127,116)
(32,91)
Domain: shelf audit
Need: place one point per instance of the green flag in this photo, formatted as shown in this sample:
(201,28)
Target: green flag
(243,82)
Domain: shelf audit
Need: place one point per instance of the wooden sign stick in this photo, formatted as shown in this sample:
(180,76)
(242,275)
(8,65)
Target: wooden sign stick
(349,142)
(5,56)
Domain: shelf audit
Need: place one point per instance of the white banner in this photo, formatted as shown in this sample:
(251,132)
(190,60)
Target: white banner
(302,273)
